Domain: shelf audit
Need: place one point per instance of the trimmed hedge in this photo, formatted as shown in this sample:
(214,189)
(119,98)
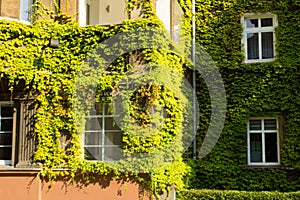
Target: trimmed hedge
(231,194)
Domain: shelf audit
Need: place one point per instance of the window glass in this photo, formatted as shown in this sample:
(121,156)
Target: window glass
(6,111)
(6,124)
(270,124)
(5,153)
(93,138)
(93,153)
(102,135)
(255,147)
(252,23)
(93,123)
(112,138)
(271,147)
(5,138)
(110,124)
(255,125)
(26,9)
(267,45)
(265,22)
(252,46)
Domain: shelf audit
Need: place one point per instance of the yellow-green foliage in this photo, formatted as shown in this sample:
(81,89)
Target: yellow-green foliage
(49,74)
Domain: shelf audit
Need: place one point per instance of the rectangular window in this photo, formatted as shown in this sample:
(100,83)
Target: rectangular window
(259,37)
(102,136)
(6,133)
(26,9)
(263,141)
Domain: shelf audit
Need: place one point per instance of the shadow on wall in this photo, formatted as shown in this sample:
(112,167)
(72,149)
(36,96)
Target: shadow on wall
(26,185)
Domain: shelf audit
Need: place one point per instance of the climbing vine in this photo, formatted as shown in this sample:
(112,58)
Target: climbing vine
(252,90)
(50,76)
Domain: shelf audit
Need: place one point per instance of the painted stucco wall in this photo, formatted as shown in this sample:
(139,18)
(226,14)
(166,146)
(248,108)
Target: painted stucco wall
(10,8)
(24,185)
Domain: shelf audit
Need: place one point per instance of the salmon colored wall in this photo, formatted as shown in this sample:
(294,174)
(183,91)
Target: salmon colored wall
(26,186)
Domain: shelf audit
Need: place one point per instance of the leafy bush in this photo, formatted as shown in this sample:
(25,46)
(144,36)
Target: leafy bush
(231,194)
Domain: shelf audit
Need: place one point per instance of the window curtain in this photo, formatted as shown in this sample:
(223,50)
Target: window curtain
(252,46)
(267,45)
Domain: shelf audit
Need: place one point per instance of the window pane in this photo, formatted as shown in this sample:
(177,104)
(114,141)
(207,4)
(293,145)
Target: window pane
(5,139)
(93,124)
(271,147)
(113,153)
(110,124)
(255,147)
(93,153)
(252,23)
(98,109)
(267,45)
(6,111)
(270,124)
(93,138)
(255,125)
(113,138)
(6,124)
(108,109)
(252,46)
(266,22)
(5,153)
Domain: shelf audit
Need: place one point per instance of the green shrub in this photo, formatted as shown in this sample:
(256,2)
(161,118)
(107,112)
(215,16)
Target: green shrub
(231,194)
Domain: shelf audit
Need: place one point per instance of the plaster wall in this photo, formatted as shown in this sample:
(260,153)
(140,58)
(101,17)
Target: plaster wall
(26,186)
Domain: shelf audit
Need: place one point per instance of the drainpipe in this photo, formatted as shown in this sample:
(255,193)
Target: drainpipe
(194,79)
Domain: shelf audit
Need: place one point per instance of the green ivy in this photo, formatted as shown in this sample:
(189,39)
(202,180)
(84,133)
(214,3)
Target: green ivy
(50,73)
(259,89)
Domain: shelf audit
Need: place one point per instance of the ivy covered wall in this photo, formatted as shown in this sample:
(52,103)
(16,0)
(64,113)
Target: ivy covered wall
(49,74)
(260,89)
(252,90)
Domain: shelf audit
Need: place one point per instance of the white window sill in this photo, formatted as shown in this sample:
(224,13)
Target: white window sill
(16,20)
(258,61)
(263,165)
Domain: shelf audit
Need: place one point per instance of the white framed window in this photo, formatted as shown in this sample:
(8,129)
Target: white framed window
(26,9)
(6,133)
(170,13)
(259,37)
(102,136)
(263,141)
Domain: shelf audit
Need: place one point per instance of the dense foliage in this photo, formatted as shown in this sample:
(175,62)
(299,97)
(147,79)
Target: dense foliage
(252,90)
(219,194)
(51,76)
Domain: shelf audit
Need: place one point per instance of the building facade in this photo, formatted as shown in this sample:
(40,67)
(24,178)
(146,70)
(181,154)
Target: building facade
(18,109)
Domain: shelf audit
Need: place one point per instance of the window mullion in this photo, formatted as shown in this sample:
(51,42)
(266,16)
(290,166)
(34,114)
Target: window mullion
(14,137)
(259,45)
(263,141)
(246,45)
(248,143)
(278,146)
(103,131)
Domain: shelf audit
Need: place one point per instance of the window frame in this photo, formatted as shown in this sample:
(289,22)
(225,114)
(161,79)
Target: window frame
(13,132)
(258,30)
(104,131)
(263,131)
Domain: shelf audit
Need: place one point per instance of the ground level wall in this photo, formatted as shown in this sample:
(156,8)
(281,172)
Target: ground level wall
(25,185)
